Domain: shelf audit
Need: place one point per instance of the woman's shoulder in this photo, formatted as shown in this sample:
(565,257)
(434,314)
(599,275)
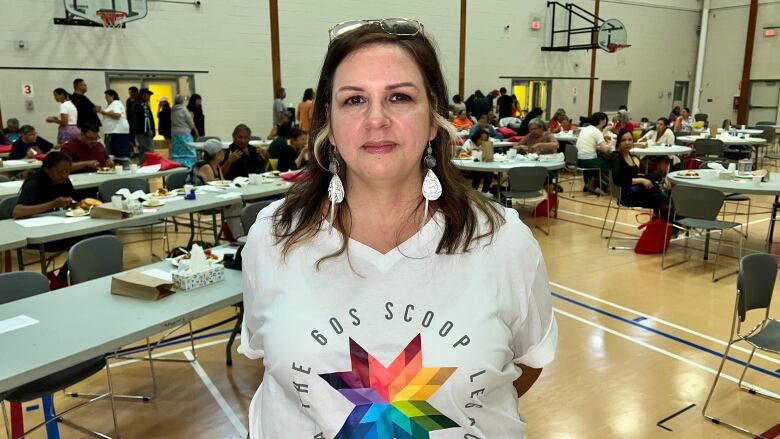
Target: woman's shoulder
(511,237)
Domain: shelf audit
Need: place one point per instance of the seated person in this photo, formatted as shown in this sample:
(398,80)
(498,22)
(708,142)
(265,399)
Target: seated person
(684,121)
(636,190)
(661,135)
(281,150)
(29,144)
(492,118)
(592,149)
(286,119)
(475,143)
(299,140)
(559,122)
(483,125)
(87,153)
(209,169)
(535,113)
(47,189)
(11,131)
(462,121)
(243,158)
(538,140)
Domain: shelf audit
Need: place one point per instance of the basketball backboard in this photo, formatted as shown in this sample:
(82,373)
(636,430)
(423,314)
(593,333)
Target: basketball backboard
(96,12)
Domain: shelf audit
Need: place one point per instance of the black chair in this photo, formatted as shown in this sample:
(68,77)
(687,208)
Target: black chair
(21,285)
(707,150)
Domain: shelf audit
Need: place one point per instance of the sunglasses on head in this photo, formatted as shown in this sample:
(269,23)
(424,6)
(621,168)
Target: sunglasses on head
(394,26)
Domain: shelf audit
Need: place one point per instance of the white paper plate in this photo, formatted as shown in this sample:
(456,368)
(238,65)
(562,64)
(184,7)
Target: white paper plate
(220,183)
(146,204)
(73,215)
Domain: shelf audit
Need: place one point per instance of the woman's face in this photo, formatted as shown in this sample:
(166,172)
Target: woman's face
(660,126)
(109,98)
(685,113)
(59,172)
(380,117)
(220,157)
(482,139)
(59,98)
(462,115)
(626,142)
(298,143)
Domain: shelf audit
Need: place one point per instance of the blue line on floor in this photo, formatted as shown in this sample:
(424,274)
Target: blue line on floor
(183,340)
(32,407)
(664,334)
(639,319)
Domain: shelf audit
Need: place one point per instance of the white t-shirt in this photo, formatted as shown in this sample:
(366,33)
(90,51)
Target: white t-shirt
(68,108)
(588,141)
(116,126)
(434,334)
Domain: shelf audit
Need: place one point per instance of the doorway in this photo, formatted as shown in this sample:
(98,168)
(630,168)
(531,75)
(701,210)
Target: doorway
(764,102)
(531,93)
(680,96)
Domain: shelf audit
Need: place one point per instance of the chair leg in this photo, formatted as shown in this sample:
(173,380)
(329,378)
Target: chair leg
(717,256)
(604,223)
(715,383)
(112,399)
(236,331)
(612,230)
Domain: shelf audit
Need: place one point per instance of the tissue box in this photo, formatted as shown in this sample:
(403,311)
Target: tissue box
(188,281)
(726,175)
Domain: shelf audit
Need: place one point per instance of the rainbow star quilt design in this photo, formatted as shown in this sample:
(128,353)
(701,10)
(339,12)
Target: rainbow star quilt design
(391,402)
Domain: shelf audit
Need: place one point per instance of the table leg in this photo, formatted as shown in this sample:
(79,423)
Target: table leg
(192,230)
(772,219)
(555,191)
(17,420)
(7,261)
(52,430)
(706,244)
(42,255)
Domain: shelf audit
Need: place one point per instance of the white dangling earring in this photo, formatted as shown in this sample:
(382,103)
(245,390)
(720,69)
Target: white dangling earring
(431,188)
(335,188)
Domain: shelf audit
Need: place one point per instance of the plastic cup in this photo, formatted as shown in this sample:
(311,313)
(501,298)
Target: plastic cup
(119,169)
(133,168)
(756,180)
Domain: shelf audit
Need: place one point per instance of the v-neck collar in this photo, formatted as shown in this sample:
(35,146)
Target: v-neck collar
(414,247)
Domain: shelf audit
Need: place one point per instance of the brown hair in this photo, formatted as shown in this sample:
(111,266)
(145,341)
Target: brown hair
(301,216)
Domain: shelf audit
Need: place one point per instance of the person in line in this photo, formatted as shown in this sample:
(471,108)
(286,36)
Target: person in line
(504,104)
(88,112)
(116,128)
(86,152)
(182,127)
(484,124)
(592,148)
(67,118)
(11,130)
(195,107)
(462,121)
(279,107)
(164,121)
(243,158)
(209,168)
(636,189)
(457,105)
(132,92)
(305,109)
(535,113)
(481,104)
(559,122)
(684,121)
(29,144)
(143,123)
(384,253)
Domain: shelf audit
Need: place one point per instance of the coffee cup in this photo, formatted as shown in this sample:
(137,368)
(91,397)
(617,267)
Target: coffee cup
(756,180)
(116,201)
(119,169)
(133,168)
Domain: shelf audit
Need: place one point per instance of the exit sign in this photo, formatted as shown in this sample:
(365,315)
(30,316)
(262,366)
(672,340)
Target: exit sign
(770,31)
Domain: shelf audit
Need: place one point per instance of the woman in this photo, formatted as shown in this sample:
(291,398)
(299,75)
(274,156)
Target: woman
(462,121)
(305,110)
(164,120)
(68,116)
(116,127)
(661,135)
(592,148)
(684,121)
(457,105)
(636,190)
(298,140)
(535,113)
(560,122)
(675,113)
(182,126)
(209,169)
(476,143)
(195,107)
(375,276)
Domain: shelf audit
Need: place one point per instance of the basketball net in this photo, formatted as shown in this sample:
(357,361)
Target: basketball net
(112,19)
(612,48)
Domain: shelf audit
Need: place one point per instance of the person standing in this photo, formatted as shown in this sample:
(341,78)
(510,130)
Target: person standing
(504,104)
(132,98)
(305,110)
(116,128)
(164,121)
(143,123)
(195,107)
(88,112)
(279,106)
(182,127)
(67,118)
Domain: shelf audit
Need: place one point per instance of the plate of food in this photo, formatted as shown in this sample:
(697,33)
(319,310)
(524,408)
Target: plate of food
(689,174)
(220,183)
(87,203)
(162,192)
(464,155)
(271,174)
(106,170)
(153,202)
(185,259)
(76,212)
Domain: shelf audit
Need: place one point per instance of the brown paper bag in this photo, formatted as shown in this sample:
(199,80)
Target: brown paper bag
(487,152)
(713,132)
(141,286)
(107,211)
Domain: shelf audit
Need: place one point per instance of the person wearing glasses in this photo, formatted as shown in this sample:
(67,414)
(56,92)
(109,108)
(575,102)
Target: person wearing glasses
(368,255)
(87,153)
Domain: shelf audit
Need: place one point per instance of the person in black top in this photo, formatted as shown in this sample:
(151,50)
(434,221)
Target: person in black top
(281,150)
(195,105)
(87,110)
(481,104)
(535,113)
(636,190)
(243,158)
(504,104)
(47,189)
(29,144)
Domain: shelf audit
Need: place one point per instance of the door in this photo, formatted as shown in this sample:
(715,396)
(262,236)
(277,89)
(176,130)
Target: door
(680,94)
(764,101)
(532,93)
(613,95)
(160,89)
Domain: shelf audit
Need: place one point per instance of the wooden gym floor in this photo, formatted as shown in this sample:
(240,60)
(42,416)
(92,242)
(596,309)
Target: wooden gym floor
(637,345)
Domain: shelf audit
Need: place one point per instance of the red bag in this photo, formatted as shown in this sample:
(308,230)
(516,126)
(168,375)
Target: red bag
(515,139)
(655,237)
(153,158)
(545,205)
(506,131)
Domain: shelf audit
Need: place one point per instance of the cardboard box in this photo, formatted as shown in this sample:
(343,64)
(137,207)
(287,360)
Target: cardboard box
(141,286)
(108,211)
(189,281)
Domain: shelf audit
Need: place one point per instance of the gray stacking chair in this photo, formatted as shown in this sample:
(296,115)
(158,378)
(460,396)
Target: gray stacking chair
(527,183)
(707,150)
(755,284)
(698,209)
(95,257)
(21,285)
(570,156)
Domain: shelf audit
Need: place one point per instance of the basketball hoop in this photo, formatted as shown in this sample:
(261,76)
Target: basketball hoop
(612,48)
(112,19)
